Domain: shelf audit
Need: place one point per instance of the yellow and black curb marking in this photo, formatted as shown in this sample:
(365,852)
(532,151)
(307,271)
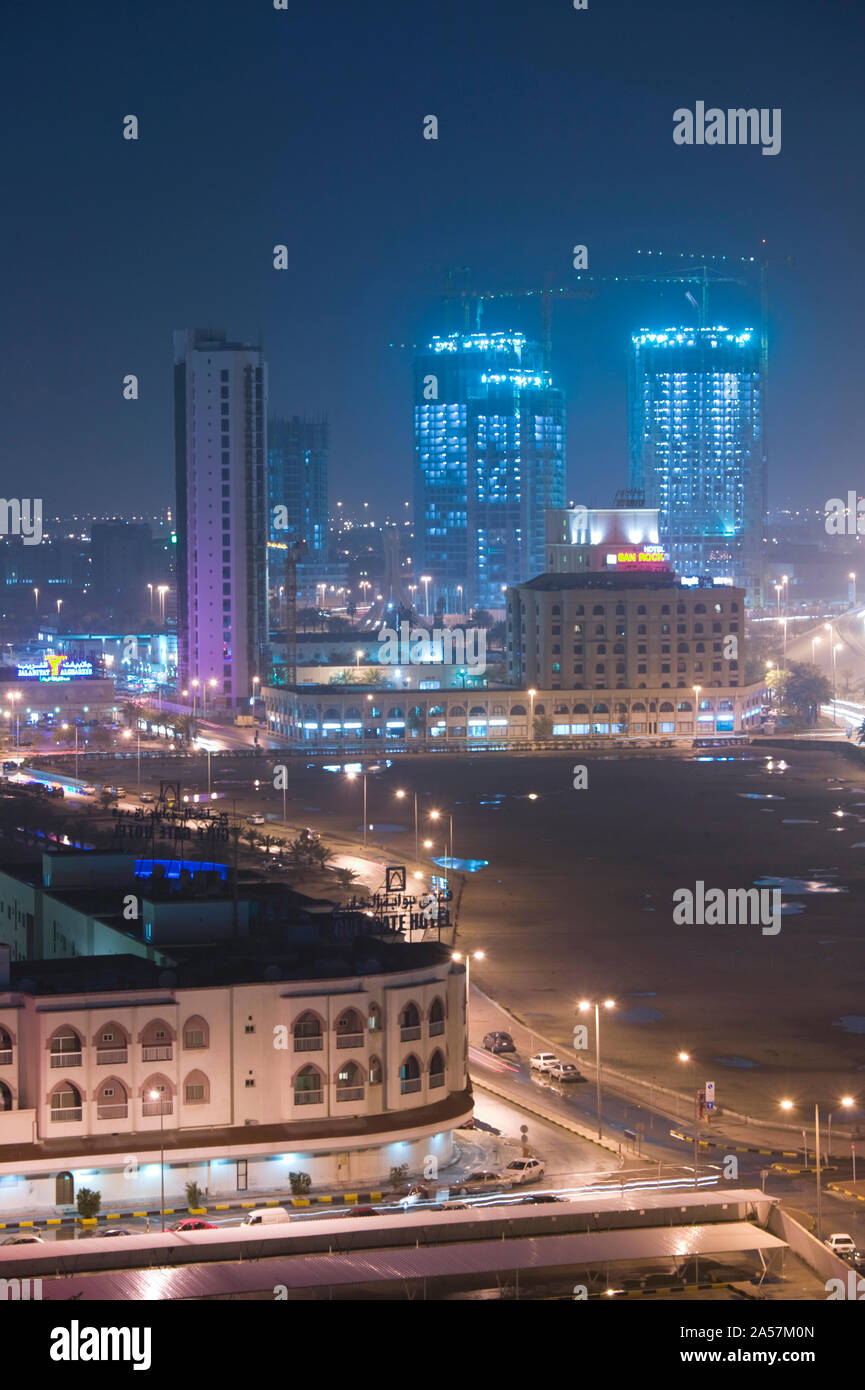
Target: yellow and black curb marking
(345,1199)
(673,1288)
(733,1148)
(845,1192)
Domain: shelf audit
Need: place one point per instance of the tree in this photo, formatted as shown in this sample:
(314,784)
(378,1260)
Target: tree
(542,727)
(346,878)
(300,1184)
(308,618)
(482,617)
(194,1196)
(252,837)
(88,1201)
(801,690)
(372,675)
(107,798)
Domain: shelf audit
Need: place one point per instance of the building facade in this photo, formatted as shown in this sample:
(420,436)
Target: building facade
(625,631)
(220,409)
(697,448)
(297,451)
(489,431)
(239,1082)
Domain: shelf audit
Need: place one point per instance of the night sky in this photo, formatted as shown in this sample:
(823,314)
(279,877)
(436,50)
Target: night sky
(304,126)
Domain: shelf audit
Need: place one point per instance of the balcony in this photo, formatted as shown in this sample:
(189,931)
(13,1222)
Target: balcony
(409,1034)
(6,1057)
(157,1054)
(111,1057)
(112,1112)
(72,1112)
(156,1107)
(349,1093)
(436,1029)
(409,1084)
(65,1059)
(349,1039)
(437,1078)
(314,1043)
(308,1097)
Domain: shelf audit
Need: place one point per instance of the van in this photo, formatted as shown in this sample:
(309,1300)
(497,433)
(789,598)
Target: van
(266,1216)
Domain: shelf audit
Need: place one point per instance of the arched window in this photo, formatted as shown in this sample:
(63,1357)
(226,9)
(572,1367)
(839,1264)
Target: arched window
(308,1033)
(620,610)
(65,1047)
(5,1097)
(196,1089)
(685,705)
(349,1082)
(410,1075)
(436,1018)
(699,607)
(581,709)
(395,713)
(666,707)
(540,709)
(680,608)
(156,1040)
(5,1047)
(157,1097)
(373,1021)
(436,1069)
(112,1099)
(518,711)
(64,1190)
(556,610)
(477,712)
(598,610)
(196,1033)
(456,712)
(638,707)
(641,610)
(308,1086)
(65,1103)
(349,1029)
(409,1023)
(375,1071)
(600,709)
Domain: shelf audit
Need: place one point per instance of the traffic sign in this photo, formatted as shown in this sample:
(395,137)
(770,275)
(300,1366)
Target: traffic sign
(710,1095)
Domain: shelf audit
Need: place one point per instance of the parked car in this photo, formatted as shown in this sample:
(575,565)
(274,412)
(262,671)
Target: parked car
(565,1071)
(256,819)
(499,1042)
(195,1223)
(544,1061)
(536,1198)
(146,797)
(266,1216)
(114,1231)
(417,1193)
(449,1206)
(479,1181)
(841,1243)
(364,1211)
(23,1240)
(526,1169)
(475,1123)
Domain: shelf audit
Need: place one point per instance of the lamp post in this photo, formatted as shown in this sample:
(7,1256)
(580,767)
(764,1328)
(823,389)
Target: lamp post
(778,588)
(425,580)
(150,587)
(846,1103)
(836,648)
(584,1006)
(686,1057)
(157,1096)
(128,734)
(788,1105)
(532,694)
(460,592)
(357,656)
(852,577)
(36,601)
(815,642)
(351,776)
(59,606)
(696,689)
(436,815)
(468,957)
(194,684)
(784,621)
(162,591)
(401,794)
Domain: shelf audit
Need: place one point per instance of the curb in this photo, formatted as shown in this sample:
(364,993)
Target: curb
(845,1191)
(343,1198)
(741,1149)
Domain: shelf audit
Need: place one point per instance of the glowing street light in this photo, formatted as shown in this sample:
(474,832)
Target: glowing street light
(157,1096)
(426,579)
(686,1057)
(584,1006)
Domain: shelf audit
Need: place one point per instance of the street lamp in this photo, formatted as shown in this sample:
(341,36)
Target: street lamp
(532,694)
(162,591)
(157,1096)
(778,588)
(696,689)
(437,815)
(36,600)
(460,592)
(686,1057)
(351,776)
(852,577)
(425,580)
(584,1006)
(815,642)
(400,794)
(357,656)
(128,734)
(788,1105)
(59,606)
(846,1103)
(837,647)
(468,958)
(194,684)
(150,587)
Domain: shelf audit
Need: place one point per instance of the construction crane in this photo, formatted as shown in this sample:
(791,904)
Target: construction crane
(293,551)
(452,292)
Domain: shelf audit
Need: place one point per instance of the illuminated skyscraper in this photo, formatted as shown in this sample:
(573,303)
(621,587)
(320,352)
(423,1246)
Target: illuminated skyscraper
(220,405)
(489,431)
(297,480)
(697,449)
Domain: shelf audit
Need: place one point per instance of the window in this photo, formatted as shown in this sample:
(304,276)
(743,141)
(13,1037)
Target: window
(249,1028)
(193,1094)
(249,1082)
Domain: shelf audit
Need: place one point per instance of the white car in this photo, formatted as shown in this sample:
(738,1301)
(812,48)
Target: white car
(565,1071)
(840,1243)
(256,820)
(544,1061)
(526,1170)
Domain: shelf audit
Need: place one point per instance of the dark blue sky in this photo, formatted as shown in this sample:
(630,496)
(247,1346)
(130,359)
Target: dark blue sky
(304,127)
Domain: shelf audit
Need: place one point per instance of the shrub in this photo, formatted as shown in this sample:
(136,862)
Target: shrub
(300,1183)
(88,1201)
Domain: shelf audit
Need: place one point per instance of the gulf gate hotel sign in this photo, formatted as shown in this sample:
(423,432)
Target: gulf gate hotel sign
(55,668)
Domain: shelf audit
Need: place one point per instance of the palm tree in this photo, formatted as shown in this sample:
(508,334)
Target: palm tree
(252,837)
(345,877)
